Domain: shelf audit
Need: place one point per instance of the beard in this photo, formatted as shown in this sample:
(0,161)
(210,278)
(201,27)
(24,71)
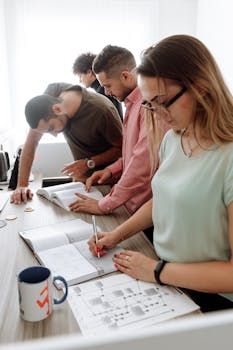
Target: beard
(66,122)
(125,92)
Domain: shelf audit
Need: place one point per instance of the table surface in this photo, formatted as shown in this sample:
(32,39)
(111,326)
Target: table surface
(15,256)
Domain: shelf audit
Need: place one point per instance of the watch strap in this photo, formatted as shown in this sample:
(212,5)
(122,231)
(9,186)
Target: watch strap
(158,269)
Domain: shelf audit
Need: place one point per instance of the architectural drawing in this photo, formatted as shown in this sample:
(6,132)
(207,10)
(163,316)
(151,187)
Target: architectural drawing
(121,302)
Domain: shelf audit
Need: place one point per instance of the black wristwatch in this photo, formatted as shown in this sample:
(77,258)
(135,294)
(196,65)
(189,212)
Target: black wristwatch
(157,271)
(90,163)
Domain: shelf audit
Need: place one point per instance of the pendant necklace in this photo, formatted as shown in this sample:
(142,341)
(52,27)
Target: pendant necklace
(191,149)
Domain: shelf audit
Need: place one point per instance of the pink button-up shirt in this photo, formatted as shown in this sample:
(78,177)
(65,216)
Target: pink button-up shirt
(134,186)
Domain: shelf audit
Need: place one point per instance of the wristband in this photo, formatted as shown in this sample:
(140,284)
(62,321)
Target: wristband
(157,271)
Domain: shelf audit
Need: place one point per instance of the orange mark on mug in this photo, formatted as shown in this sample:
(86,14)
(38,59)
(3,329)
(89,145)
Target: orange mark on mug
(46,299)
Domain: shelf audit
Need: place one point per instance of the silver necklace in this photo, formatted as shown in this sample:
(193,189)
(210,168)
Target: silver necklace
(191,149)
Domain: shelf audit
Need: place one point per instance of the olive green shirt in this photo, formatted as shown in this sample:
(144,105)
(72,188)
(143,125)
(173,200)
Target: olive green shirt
(94,127)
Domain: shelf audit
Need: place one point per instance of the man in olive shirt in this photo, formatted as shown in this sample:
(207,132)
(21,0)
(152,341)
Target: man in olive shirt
(90,124)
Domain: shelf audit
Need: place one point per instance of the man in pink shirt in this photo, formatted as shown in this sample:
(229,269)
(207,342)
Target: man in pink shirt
(115,70)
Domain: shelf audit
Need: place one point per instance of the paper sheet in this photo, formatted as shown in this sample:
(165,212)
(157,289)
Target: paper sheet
(120,302)
(67,262)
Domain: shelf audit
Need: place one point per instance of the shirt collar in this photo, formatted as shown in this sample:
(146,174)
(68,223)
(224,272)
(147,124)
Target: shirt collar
(95,85)
(134,97)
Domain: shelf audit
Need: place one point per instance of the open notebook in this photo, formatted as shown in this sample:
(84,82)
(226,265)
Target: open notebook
(63,248)
(64,194)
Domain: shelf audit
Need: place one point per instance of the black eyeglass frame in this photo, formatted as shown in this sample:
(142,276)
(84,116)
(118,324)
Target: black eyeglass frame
(165,104)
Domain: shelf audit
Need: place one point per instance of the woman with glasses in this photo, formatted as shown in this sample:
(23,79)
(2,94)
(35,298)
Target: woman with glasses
(192,204)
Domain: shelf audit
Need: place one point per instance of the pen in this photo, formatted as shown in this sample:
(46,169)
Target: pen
(95,232)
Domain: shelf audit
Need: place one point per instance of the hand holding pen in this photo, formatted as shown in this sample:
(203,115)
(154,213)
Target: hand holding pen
(105,241)
(95,233)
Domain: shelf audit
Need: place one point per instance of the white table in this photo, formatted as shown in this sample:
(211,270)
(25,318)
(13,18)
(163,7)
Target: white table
(15,256)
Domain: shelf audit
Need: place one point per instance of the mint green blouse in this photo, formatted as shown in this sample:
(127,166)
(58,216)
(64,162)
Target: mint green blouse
(190,199)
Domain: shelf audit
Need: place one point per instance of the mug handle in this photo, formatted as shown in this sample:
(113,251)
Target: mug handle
(63,298)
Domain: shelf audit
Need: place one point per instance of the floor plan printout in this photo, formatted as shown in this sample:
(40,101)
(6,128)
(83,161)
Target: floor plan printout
(119,302)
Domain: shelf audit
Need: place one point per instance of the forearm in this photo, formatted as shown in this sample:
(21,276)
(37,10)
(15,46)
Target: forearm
(141,220)
(107,157)
(212,277)
(27,157)
(134,186)
(24,170)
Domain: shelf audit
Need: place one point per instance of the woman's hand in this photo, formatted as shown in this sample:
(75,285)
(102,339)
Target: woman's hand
(85,204)
(135,265)
(106,240)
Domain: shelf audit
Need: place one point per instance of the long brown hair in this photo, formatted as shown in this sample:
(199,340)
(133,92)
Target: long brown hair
(186,60)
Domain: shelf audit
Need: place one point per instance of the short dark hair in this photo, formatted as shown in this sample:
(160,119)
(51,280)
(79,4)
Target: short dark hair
(83,63)
(112,60)
(55,89)
(40,107)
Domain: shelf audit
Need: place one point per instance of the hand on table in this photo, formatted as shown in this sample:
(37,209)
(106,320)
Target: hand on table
(21,195)
(100,177)
(136,265)
(85,204)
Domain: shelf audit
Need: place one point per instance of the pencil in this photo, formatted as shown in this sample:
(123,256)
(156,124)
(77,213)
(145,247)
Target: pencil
(95,232)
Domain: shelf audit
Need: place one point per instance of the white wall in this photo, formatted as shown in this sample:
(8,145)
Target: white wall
(4,87)
(39,40)
(177,17)
(44,38)
(50,158)
(215,29)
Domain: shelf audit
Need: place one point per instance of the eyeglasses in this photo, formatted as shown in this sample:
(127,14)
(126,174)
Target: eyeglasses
(149,105)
